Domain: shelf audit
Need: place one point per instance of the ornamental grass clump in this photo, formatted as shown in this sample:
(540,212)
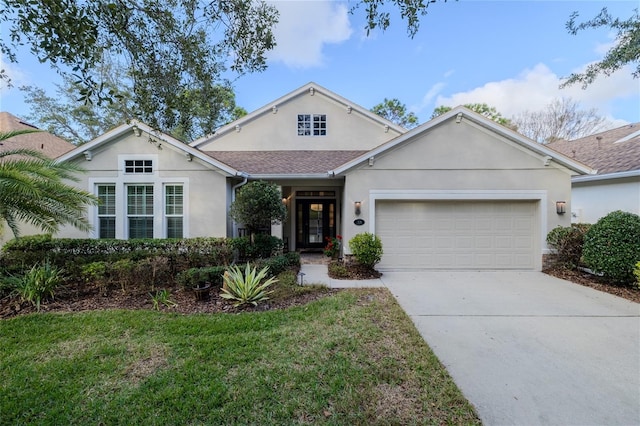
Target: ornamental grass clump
(39,283)
(248,287)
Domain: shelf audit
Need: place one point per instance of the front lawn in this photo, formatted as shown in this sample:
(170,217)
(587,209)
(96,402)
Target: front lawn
(350,358)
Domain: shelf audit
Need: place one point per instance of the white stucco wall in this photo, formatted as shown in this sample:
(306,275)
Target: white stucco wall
(592,200)
(459,161)
(346,130)
(205,188)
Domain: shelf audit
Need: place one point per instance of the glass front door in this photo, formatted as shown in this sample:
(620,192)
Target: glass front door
(315,221)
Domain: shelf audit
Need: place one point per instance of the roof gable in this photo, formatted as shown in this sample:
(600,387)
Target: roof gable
(42,141)
(458,114)
(275,125)
(140,129)
(611,151)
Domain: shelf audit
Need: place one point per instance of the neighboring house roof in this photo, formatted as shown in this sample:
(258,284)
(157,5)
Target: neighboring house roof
(44,142)
(269,108)
(88,149)
(285,163)
(610,152)
(458,113)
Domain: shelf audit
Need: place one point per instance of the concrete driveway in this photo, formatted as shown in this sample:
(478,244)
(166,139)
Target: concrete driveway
(526,348)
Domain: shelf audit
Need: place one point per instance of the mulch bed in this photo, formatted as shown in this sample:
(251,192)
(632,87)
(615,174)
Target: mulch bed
(595,282)
(90,298)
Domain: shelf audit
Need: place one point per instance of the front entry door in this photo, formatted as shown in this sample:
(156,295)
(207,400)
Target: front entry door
(315,221)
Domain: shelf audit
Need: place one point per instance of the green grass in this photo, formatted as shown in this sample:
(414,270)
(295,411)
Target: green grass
(353,358)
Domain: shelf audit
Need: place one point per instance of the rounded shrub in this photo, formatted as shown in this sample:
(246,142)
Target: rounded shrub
(612,246)
(367,249)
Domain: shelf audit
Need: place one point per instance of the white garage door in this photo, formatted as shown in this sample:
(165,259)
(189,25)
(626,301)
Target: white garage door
(458,234)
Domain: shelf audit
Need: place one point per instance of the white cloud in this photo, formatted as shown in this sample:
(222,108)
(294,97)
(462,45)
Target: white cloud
(535,88)
(305,27)
(14,73)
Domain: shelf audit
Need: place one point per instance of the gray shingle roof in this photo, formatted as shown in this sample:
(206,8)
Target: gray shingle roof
(44,142)
(284,162)
(611,151)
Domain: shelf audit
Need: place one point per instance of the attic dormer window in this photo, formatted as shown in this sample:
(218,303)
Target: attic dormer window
(138,166)
(312,125)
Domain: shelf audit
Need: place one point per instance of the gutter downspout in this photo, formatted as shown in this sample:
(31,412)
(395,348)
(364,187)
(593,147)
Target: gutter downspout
(245,179)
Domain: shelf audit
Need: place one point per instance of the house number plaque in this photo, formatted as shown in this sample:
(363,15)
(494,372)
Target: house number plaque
(359,222)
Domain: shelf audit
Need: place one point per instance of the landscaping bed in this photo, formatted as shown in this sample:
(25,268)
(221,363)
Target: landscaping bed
(87,297)
(589,280)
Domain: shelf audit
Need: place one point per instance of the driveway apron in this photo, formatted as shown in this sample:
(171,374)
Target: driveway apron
(526,348)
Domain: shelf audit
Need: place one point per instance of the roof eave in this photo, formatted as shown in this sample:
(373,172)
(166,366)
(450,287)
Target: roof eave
(267,176)
(120,130)
(607,176)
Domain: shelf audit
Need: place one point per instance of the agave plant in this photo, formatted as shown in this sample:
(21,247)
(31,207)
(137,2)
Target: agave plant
(248,286)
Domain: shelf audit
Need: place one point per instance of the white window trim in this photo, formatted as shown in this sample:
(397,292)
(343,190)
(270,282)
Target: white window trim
(165,220)
(312,122)
(122,180)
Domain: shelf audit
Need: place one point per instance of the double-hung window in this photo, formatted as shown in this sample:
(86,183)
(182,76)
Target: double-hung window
(312,125)
(174,210)
(107,211)
(140,211)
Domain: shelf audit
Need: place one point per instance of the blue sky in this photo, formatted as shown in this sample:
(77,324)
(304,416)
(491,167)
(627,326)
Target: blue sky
(508,54)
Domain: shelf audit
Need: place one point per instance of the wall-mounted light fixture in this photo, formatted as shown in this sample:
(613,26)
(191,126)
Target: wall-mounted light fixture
(88,155)
(284,200)
(136,130)
(561,207)
(357,205)
(237,128)
(274,109)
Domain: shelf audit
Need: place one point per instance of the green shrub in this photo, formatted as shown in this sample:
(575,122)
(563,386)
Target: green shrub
(338,270)
(39,283)
(294,258)
(367,249)
(248,286)
(197,277)
(568,242)
(636,272)
(611,246)
(276,264)
(8,283)
(70,254)
(263,247)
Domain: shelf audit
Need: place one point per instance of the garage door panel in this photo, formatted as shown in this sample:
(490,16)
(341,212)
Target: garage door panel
(458,234)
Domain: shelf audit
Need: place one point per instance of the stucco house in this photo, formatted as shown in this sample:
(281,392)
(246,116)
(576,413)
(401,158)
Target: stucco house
(615,156)
(458,192)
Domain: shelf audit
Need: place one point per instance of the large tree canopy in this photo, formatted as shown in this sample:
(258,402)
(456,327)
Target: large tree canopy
(625,50)
(33,190)
(396,112)
(175,51)
(80,122)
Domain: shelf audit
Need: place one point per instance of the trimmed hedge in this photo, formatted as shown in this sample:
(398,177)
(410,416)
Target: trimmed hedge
(263,247)
(20,254)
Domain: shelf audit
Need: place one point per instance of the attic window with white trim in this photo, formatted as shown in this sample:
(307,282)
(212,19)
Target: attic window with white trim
(312,125)
(138,166)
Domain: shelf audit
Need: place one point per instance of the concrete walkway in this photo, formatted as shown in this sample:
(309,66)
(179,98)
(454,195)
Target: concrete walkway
(317,274)
(525,348)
